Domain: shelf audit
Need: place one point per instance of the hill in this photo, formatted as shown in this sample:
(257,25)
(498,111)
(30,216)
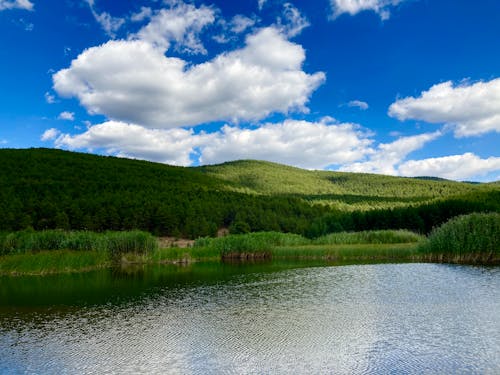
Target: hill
(343,190)
(47,188)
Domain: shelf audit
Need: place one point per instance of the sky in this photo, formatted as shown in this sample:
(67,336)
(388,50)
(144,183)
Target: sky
(397,87)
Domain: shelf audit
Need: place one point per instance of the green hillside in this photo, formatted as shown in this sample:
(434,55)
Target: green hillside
(343,190)
(47,189)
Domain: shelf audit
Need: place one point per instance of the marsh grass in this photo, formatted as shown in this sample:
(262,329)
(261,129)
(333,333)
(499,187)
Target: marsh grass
(113,243)
(55,261)
(471,238)
(349,252)
(369,237)
(249,245)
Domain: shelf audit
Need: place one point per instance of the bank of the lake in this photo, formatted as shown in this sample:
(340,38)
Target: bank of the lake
(471,239)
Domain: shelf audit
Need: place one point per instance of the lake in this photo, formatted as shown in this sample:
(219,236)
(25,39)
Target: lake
(280,317)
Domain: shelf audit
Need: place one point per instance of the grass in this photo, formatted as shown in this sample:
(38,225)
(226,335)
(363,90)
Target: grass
(112,243)
(350,252)
(369,237)
(56,261)
(473,238)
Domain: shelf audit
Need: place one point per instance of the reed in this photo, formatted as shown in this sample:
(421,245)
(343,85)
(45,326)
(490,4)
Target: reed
(369,237)
(113,243)
(55,261)
(473,238)
(349,252)
(249,245)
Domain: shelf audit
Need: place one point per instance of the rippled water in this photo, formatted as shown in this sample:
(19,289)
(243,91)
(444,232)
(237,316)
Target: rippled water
(203,319)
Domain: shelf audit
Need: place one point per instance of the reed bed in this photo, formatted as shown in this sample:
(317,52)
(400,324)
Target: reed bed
(249,245)
(473,238)
(369,237)
(55,261)
(112,243)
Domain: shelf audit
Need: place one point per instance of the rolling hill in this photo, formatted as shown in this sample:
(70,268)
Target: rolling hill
(48,188)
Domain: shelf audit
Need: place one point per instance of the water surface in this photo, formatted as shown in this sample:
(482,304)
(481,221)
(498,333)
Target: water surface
(272,318)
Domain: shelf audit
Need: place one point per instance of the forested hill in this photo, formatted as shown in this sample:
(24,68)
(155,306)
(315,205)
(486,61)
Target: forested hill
(47,188)
(344,190)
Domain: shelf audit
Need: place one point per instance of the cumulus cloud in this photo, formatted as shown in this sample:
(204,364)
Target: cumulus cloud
(358,104)
(143,14)
(455,167)
(172,146)
(108,23)
(181,24)
(240,23)
(50,134)
(386,158)
(292,21)
(469,109)
(134,82)
(352,7)
(16,4)
(68,116)
(312,145)
(49,98)
(304,144)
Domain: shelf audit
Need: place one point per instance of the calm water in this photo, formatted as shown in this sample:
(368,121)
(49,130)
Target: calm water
(275,318)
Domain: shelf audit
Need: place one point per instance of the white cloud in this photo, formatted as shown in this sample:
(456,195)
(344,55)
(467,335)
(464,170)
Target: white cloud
(50,134)
(144,13)
(455,167)
(292,22)
(470,109)
(134,82)
(261,3)
(108,23)
(300,143)
(386,158)
(68,116)
(352,7)
(182,23)
(358,104)
(240,23)
(172,146)
(49,98)
(16,4)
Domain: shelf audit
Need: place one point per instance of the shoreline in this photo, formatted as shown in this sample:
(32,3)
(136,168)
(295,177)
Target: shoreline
(61,261)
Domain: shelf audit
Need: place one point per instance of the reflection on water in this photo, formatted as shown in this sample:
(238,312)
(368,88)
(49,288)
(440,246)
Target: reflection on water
(271,318)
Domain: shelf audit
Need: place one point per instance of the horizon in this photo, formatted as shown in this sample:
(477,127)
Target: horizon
(338,85)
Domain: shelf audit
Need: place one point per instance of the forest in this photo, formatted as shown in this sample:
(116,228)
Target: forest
(55,189)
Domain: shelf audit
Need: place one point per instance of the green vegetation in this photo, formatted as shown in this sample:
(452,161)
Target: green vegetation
(471,238)
(369,237)
(56,261)
(48,189)
(113,243)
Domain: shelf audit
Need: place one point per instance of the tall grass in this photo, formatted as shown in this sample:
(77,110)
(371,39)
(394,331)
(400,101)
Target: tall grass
(54,261)
(467,238)
(249,245)
(369,237)
(112,243)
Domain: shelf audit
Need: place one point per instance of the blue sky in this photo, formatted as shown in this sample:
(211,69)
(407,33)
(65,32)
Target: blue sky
(400,87)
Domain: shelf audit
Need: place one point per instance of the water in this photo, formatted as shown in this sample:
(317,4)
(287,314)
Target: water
(274,318)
